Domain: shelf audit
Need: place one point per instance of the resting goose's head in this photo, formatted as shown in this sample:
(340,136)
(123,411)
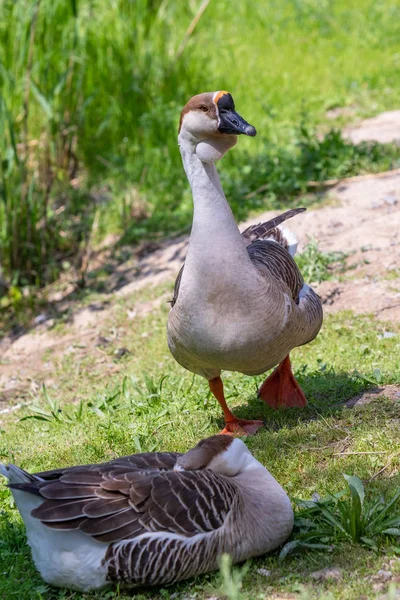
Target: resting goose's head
(223,454)
(209,121)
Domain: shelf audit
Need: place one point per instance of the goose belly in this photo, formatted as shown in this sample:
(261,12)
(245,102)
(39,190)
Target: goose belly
(208,345)
(63,558)
(249,359)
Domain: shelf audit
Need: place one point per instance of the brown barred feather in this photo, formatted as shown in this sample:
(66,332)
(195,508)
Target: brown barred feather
(270,228)
(111,503)
(160,560)
(272,259)
(145,460)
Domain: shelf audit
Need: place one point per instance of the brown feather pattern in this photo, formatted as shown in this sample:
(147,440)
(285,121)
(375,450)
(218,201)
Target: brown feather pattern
(117,502)
(272,259)
(269,229)
(136,462)
(152,561)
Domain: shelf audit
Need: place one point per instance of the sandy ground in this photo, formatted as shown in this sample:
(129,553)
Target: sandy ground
(360,217)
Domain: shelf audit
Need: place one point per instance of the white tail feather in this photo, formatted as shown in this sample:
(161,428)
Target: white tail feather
(290,238)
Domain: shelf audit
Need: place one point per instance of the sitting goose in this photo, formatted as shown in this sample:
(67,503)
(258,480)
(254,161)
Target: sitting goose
(151,518)
(240,302)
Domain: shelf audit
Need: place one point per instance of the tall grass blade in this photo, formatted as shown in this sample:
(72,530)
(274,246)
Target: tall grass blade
(44,103)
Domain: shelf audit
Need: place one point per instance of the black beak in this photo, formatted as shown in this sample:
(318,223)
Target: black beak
(231,122)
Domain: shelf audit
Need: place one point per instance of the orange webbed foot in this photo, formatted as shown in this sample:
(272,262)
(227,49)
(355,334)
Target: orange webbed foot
(281,388)
(241,427)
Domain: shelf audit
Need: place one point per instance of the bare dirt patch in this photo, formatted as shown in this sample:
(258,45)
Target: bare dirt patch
(392,392)
(363,220)
(30,361)
(383,128)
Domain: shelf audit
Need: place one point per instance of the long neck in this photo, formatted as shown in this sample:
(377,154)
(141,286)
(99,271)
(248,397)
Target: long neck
(214,227)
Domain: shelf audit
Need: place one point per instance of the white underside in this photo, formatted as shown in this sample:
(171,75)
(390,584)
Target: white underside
(63,558)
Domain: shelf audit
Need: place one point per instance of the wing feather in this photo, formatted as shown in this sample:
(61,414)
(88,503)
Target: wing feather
(130,530)
(271,258)
(112,504)
(61,491)
(56,510)
(113,521)
(142,461)
(270,229)
(104,508)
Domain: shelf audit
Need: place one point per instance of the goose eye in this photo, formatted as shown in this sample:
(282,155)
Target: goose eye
(203,108)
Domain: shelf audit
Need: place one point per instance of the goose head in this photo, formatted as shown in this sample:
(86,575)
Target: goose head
(223,454)
(211,124)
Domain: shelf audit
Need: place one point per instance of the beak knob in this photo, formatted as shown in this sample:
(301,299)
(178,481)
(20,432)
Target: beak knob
(250,130)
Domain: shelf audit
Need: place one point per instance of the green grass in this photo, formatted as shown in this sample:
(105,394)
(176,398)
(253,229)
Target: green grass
(152,404)
(322,523)
(317,266)
(90,93)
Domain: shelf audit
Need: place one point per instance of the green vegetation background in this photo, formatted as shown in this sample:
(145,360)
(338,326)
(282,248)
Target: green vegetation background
(90,95)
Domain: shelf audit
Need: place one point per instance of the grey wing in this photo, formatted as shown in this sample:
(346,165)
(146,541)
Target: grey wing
(268,249)
(272,259)
(261,231)
(176,286)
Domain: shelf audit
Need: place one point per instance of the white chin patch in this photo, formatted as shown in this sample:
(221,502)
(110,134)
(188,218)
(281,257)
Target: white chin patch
(212,150)
(208,153)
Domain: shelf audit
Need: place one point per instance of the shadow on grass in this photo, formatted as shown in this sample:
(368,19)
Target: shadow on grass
(326,391)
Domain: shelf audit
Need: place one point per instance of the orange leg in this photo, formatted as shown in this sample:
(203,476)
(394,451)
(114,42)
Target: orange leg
(281,388)
(232,423)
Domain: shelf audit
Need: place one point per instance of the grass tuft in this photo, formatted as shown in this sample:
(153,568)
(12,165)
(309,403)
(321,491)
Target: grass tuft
(323,523)
(317,266)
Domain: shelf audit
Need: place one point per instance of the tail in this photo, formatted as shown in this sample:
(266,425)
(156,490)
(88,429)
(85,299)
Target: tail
(290,241)
(273,230)
(20,479)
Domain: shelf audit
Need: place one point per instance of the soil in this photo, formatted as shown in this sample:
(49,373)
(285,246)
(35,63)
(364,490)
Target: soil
(360,217)
(383,128)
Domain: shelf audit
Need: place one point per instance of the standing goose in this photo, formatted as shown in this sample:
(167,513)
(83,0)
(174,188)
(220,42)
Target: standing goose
(240,302)
(151,518)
